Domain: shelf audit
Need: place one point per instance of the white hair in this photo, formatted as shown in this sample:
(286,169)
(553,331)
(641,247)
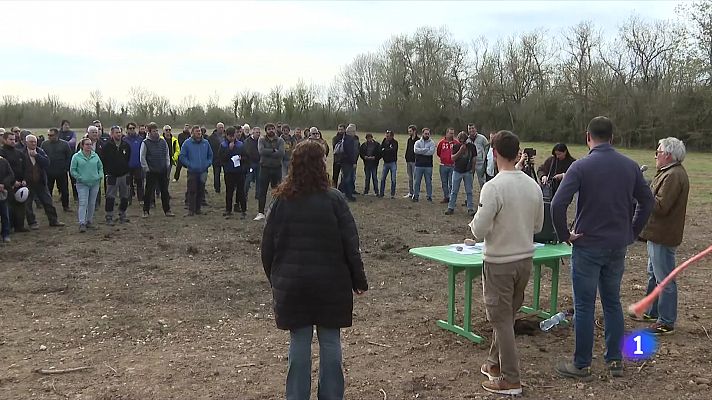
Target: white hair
(246,127)
(167,127)
(220,124)
(673,146)
(92,128)
(30,137)
(351,128)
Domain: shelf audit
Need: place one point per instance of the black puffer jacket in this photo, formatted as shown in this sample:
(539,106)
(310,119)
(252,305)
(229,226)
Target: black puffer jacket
(310,253)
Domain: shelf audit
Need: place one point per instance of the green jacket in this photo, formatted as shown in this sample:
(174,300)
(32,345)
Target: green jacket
(86,170)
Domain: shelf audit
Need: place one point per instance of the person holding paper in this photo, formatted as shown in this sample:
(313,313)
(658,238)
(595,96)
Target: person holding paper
(231,153)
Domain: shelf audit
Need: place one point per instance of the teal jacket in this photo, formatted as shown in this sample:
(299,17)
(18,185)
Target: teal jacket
(86,170)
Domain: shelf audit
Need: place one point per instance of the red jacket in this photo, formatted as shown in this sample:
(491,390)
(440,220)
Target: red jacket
(444,151)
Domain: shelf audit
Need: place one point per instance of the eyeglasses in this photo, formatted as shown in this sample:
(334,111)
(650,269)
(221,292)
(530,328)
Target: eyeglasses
(167,130)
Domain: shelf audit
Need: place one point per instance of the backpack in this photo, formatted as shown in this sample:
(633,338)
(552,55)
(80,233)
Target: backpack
(339,147)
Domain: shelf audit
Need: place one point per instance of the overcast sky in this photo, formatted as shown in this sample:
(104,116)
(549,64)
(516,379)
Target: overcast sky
(179,48)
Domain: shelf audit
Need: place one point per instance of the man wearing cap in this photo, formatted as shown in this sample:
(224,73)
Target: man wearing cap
(17,163)
(155,161)
(36,164)
(182,137)
(116,157)
(216,138)
(60,157)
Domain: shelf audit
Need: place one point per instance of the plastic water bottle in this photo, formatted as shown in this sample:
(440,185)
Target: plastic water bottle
(547,324)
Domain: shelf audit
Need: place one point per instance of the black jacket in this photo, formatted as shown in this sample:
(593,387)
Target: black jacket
(310,254)
(182,137)
(389,150)
(370,149)
(215,141)
(60,156)
(409,152)
(7,177)
(251,151)
(16,160)
(116,159)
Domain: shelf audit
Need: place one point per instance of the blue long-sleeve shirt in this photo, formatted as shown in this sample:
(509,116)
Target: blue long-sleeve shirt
(607,183)
(196,156)
(134,141)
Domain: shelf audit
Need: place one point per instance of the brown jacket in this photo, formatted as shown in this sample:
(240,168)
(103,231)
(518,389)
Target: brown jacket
(667,221)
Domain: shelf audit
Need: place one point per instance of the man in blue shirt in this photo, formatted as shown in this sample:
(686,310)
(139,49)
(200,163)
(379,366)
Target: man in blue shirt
(607,183)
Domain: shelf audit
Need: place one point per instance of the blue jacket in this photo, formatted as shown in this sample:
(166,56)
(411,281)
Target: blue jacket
(135,143)
(196,156)
(350,150)
(225,156)
(607,183)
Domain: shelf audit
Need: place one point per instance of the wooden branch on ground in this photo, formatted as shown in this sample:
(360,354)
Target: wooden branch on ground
(59,371)
(383,392)
(245,365)
(379,344)
(109,366)
(642,366)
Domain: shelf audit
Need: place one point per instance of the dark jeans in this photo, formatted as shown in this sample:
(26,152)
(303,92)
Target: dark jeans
(40,191)
(347,176)
(136,177)
(335,172)
(595,269)
(217,169)
(176,174)
(252,177)
(62,182)
(371,172)
(331,375)
(269,176)
(4,218)
(17,211)
(195,190)
(235,183)
(159,179)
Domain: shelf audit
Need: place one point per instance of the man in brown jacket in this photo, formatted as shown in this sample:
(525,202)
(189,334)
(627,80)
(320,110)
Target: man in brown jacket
(664,231)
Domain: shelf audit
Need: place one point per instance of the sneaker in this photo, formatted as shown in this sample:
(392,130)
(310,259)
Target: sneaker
(568,369)
(449,211)
(227,214)
(414,199)
(492,372)
(616,368)
(145,214)
(471,212)
(259,217)
(174,180)
(444,201)
(35,226)
(645,317)
(501,386)
(6,239)
(82,228)
(123,220)
(408,196)
(243,215)
(110,221)
(190,214)
(56,224)
(659,329)
(169,214)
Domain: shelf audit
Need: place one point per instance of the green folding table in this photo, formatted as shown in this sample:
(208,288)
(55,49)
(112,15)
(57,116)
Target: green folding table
(549,256)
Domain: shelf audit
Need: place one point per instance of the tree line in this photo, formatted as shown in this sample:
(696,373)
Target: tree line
(653,78)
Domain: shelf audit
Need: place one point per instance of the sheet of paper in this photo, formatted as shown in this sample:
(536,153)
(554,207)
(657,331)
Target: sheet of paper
(235,160)
(465,250)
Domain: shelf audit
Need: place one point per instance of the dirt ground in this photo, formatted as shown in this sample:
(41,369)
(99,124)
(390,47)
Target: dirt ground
(180,309)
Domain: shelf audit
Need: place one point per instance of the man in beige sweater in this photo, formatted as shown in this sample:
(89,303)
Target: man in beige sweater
(511,211)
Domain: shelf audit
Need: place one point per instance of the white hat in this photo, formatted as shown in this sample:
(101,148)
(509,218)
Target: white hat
(22,194)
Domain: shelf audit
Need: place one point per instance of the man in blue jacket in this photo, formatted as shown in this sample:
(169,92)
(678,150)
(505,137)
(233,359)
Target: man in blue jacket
(607,184)
(134,141)
(234,165)
(36,164)
(348,162)
(197,156)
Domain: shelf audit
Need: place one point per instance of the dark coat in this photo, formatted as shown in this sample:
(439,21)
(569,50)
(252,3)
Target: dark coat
(16,160)
(116,158)
(311,255)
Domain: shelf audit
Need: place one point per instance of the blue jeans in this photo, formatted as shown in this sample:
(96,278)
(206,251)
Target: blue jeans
(446,180)
(5,217)
(371,172)
(661,261)
(391,167)
(418,175)
(331,376)
(456,178)
(597,269)
(252,177)
(347,179)
(86,199)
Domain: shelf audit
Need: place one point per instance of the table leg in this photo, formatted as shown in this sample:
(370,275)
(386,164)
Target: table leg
(554,265)
(537,286)
(467,322)
(451,295)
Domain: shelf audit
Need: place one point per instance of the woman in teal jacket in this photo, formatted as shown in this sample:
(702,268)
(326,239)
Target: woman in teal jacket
(87,169)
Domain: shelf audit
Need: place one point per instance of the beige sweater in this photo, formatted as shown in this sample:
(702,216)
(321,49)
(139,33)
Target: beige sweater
(511,211)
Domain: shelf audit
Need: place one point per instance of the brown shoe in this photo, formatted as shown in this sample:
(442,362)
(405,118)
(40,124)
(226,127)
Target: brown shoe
(501,386)
(492,372)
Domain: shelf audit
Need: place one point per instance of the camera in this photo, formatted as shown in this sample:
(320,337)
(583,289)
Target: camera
(530,152)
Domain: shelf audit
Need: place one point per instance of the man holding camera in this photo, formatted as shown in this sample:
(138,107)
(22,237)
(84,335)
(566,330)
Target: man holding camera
(607,183)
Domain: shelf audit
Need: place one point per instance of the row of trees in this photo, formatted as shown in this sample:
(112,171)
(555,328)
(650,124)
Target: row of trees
(654,79)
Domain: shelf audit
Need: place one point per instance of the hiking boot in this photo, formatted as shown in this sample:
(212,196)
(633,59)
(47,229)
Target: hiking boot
(567,369)
(660,329)
(56,224)
(645,317)
(227,214)
(169,214)
(35,226)
(110,221)
(259,217)
(145,214)
(616,368)
(449,211)
(444,201)
(492,372)
(82,228)
(501,386)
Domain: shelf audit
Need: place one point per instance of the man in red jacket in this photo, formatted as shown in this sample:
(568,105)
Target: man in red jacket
(444,151)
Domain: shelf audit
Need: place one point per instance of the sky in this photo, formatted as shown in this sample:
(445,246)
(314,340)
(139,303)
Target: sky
(217,48)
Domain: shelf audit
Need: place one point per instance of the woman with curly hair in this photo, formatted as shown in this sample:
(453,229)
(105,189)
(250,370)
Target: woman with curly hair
(311,256)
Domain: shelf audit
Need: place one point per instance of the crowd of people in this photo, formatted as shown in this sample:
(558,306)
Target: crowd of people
(312,257)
